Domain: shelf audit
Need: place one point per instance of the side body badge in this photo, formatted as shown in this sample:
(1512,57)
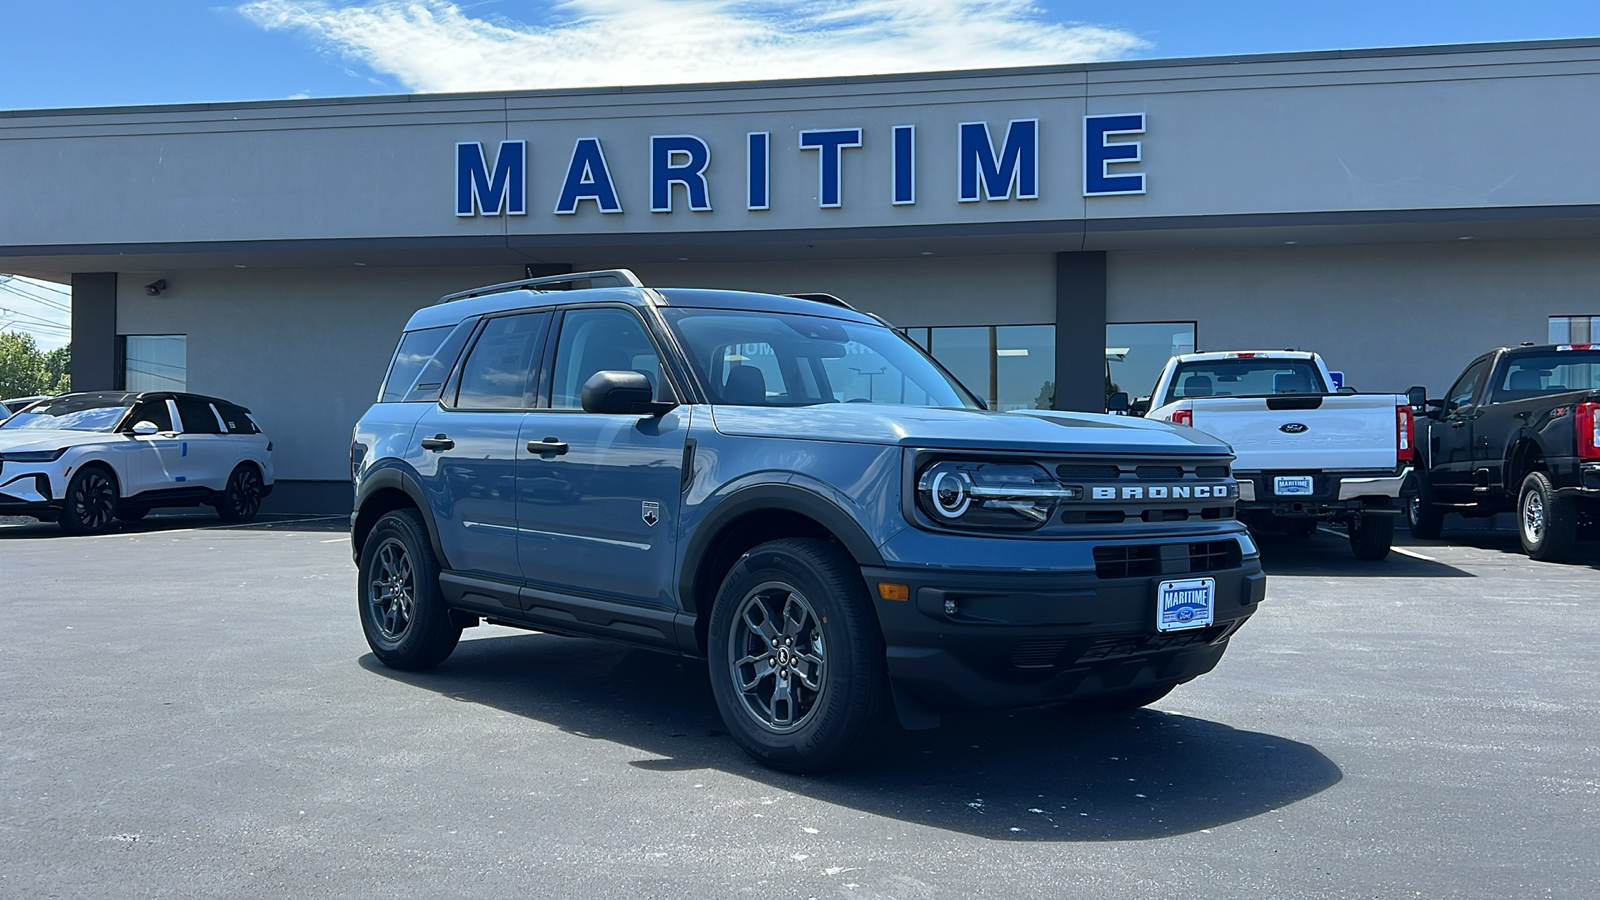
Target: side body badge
(651,511)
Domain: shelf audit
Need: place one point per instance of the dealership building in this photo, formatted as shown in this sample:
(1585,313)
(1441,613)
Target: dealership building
(1397,210)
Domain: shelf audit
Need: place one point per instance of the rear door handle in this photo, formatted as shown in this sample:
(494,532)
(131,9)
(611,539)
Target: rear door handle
(438,442)
(548,445)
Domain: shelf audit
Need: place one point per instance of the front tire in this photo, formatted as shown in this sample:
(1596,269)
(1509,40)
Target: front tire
(403,613)
(90,506)
(1547,522)
(240,501)
(796,657)
(1372,536)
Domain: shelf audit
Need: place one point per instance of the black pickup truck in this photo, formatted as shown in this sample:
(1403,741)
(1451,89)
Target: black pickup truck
(1519,431)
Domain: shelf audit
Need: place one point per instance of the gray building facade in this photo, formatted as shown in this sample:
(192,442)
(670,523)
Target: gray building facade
(1396,210)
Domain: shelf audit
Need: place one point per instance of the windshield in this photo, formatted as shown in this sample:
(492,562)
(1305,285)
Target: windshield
(1245,378)
(69,414)
(775,359)
(1554,372)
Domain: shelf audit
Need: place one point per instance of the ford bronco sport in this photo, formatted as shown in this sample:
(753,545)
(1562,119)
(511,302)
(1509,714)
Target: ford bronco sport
(793,491)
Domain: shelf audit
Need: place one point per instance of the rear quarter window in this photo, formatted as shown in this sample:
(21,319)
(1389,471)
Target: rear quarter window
(416,348)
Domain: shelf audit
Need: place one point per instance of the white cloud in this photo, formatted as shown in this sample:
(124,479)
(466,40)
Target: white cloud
(433,45)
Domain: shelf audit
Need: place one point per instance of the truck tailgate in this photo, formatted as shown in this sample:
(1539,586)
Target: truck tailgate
(1303,431)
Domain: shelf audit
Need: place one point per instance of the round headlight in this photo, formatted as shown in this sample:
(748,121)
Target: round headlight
(950,495)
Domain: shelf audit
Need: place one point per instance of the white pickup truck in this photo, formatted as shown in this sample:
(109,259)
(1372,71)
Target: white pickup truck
(1305,453)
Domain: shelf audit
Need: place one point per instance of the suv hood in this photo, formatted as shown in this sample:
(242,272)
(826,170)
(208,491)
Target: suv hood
(50,439)
(1044,431)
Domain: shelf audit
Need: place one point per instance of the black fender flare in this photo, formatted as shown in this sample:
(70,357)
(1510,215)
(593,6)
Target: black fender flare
(395,477)
(785,496)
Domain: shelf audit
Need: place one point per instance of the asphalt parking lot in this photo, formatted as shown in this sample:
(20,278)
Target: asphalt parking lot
(190,710)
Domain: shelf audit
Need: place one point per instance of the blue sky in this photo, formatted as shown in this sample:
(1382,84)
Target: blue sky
(112,52)
(116,52)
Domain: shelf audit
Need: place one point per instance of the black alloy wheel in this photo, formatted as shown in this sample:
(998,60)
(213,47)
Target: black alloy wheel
(403,612)
(91,502)
(796,656)
(241,499)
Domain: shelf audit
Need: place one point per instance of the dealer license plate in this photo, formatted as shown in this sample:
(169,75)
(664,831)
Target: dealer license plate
(1185,604)
(1290,485)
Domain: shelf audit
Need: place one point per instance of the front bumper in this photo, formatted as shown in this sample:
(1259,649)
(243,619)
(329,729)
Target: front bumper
(26,493)
(1020,640)
(1333,494)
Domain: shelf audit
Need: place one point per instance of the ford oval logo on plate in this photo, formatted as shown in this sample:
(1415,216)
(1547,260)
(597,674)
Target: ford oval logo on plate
(1292,428)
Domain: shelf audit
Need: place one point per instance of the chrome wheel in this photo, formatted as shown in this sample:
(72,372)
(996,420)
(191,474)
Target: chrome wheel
(244,493)
(391,590)
(94,500)
(777,658)
(1533,517)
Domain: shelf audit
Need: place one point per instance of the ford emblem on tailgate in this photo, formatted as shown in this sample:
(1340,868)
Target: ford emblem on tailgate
(1292,428)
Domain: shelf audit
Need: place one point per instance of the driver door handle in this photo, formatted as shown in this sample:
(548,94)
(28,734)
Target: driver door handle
(548,445)
(438,442)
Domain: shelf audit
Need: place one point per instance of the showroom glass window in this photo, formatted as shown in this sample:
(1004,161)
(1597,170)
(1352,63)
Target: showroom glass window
(155,362)
(1136,352)
(1009,366)
(1575,329)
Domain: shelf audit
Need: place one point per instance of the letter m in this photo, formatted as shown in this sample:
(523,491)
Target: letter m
(1015,169)
(479,192)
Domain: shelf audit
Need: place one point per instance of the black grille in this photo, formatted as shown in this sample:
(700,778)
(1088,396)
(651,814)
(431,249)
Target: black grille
(1038,653)
(1093,517)
(1166,515)
(1217,512)
(1212,556)
(1211,471)
(1163,473)
(1129,561)
(1088,473)
(1115,648)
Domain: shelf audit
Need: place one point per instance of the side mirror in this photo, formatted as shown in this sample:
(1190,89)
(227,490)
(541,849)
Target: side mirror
(1118,402)
(145,429)
(1417,397)
(621,392)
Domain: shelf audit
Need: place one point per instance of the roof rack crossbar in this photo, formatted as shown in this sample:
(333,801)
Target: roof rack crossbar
(622,277)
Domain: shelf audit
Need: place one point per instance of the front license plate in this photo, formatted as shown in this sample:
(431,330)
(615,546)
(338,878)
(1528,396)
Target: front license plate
(1290,485)
(1190,603)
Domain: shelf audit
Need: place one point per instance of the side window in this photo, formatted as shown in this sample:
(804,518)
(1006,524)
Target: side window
(416,348)
(197,417)
(430,381)
(499,370)
(1462,392)
(236,419)
(596,340)
(152,411)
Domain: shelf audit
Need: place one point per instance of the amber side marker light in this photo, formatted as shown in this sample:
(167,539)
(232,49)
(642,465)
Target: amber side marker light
(893,591)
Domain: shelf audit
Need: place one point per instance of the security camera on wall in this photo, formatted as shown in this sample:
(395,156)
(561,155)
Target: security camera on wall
(155,288)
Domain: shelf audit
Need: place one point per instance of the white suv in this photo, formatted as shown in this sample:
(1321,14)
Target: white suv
(87,459)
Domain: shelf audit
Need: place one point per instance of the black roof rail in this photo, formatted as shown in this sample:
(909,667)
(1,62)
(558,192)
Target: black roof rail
(829,299)
(623,278)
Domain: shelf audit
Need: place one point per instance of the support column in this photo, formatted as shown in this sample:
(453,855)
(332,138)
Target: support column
(1081,331)
(94,331)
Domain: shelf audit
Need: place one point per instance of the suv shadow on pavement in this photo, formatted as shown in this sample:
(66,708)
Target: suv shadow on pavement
(1586,553)
(1034,775)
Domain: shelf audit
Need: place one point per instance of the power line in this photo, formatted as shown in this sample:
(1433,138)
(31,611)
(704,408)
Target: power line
(11,313)
(34,282)
(10,287)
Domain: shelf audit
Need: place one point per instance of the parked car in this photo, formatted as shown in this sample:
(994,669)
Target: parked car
(11,407)
(88,459)
(1519,431)
(794,491)
(1306,453)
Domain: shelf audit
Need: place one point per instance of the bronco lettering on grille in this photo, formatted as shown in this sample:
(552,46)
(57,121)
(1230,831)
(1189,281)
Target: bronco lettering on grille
(1218,491)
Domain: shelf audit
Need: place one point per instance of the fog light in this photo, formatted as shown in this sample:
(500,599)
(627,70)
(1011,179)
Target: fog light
(950,607)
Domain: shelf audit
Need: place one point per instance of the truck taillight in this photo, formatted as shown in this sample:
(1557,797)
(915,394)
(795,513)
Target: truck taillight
(1589,430)
(1404,434)
(1183,417)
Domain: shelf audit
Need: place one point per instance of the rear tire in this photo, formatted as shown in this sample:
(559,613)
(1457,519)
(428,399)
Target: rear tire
(90,506)
(1372,536)
(796,658)
(1547,522)
(1120,701)
(240,500)
(403,612)
(1425,520)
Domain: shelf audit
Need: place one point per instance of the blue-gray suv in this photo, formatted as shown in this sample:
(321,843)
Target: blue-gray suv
(797,493)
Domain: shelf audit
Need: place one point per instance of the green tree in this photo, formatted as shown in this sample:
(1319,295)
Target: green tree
(22,366)
(58,364)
